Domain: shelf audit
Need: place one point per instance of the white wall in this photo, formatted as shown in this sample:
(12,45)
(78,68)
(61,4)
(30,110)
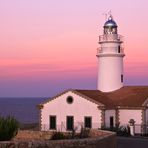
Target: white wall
(110,67)
(108,114)
(109,73)
(126,115)
(79,108)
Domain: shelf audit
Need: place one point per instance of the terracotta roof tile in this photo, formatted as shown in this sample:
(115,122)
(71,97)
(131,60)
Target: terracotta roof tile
(127,96)
(98,96)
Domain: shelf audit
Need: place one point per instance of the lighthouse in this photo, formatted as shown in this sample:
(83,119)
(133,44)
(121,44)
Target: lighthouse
(110,58)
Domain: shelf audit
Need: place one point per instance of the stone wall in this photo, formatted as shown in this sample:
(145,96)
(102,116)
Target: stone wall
(99,139)
(33,135)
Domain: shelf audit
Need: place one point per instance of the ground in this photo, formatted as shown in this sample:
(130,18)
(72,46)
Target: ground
(124,142)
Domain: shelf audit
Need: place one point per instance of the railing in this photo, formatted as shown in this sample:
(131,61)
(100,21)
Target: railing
(110,50)
(110,37)
(141,129)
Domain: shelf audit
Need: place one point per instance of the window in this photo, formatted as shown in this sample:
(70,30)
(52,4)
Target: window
(69,99)
(87,122)
(111,121)
(122,78)
(52,122)
(119,49)
(70,123)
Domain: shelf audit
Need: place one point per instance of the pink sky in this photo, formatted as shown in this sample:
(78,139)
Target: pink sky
(47,46)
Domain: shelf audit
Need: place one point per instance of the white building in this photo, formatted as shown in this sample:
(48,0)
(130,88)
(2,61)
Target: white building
(110,105)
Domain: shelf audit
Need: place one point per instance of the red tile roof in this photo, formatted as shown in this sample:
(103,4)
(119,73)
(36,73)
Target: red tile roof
(127,96)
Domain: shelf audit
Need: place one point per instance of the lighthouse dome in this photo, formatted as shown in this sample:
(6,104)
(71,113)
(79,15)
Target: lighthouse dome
(110,23)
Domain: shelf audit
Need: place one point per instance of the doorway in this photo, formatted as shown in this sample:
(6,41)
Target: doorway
(87,122)
(111,121)
(70,123)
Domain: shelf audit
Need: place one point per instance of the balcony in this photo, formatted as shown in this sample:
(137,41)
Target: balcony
(110,38)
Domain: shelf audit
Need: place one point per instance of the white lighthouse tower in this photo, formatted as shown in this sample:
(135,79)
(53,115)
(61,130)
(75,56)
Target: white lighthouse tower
(110,58)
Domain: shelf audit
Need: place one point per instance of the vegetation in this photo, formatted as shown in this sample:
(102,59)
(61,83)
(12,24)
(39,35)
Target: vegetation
(84,133)
(123,131)
(8,128)
(58,136)
(120,130)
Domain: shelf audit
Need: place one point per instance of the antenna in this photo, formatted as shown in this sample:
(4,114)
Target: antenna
(110,14)
(105,14)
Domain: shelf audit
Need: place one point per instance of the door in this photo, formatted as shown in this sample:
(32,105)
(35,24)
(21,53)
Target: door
(87,122)
(70,123)
(111,121)
(52,122)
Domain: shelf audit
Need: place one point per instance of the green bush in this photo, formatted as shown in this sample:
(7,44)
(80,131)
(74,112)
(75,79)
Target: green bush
(8,128)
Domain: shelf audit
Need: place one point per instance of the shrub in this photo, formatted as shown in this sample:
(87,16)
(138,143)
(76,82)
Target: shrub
(8,128)
(120,130)
(85,133)
(123,131)
(57,136)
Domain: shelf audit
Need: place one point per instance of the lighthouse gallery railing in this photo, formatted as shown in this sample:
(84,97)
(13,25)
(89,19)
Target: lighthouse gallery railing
(111,38)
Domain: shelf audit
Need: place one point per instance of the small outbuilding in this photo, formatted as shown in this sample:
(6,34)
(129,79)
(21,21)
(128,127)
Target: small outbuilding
(74,109)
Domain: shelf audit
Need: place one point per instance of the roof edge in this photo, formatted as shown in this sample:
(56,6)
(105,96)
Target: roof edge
(40,106)
(88,98)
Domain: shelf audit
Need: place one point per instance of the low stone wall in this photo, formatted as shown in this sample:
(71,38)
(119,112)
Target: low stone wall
(32,135)
(99,139)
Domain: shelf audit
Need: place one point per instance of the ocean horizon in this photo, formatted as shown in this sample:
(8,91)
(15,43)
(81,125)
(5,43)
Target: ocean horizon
(24,109)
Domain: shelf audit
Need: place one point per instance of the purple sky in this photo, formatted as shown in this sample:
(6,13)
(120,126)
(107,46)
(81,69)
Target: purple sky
(47,46)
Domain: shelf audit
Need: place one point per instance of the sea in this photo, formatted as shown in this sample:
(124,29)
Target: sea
(23,109)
